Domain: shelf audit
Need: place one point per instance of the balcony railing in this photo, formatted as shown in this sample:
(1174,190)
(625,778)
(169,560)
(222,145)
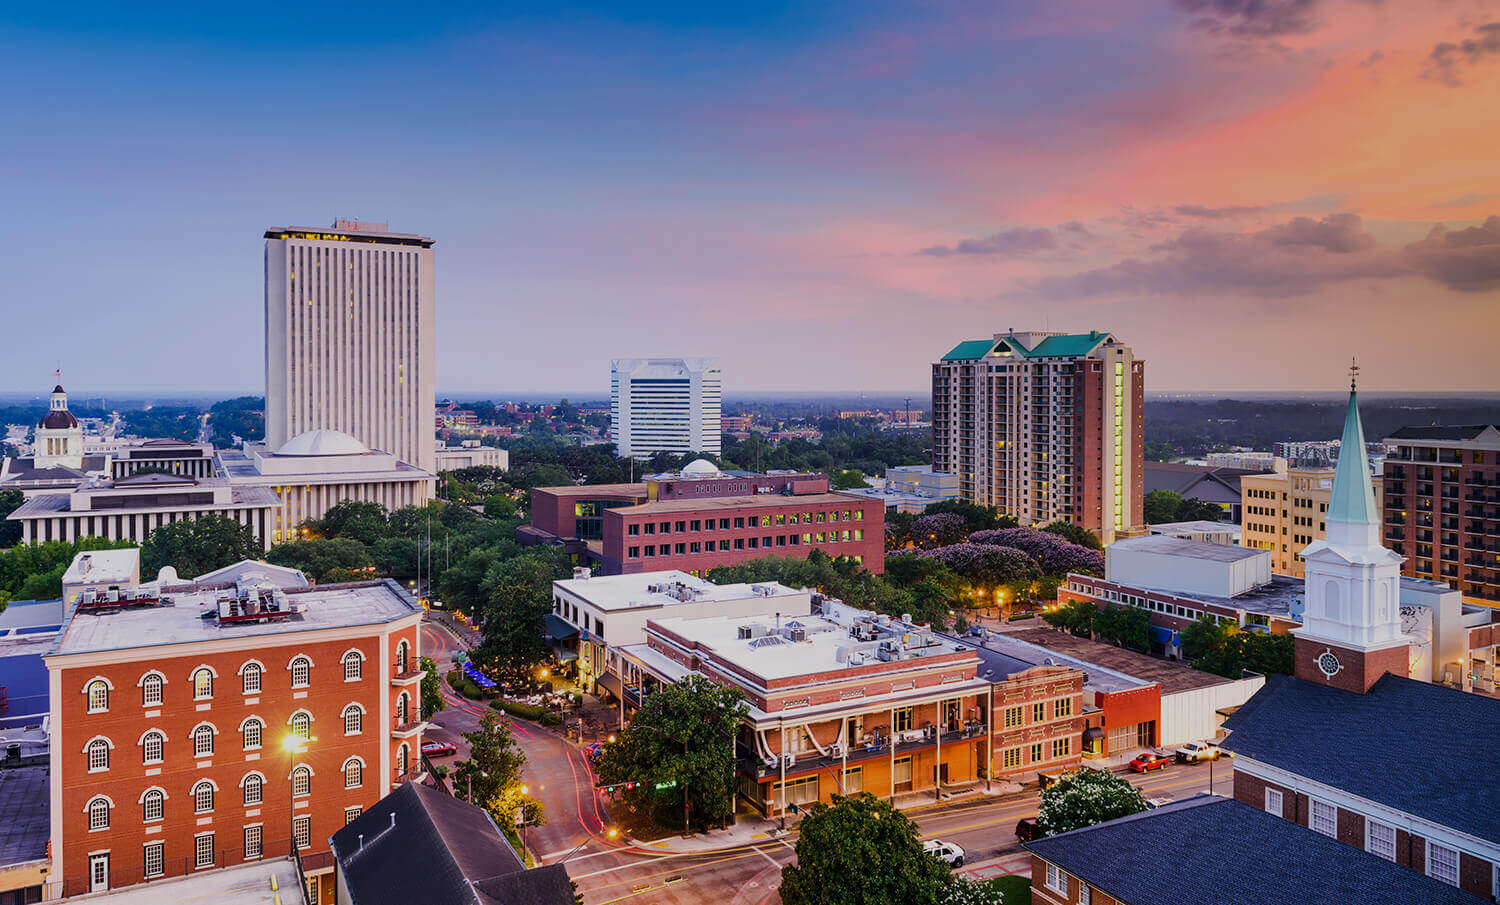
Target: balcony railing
(869,748)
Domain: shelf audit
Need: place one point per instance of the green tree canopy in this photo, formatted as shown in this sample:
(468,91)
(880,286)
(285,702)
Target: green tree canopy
(493,771)
(848,480)
(359,520)
(1084,797)
(1076,534)
(1127,626)
(518,596)
(1263,653)
(432,689)
(1204,635)
(861,851)
(1076,617)
(322,559)
(199,545)
(10,532)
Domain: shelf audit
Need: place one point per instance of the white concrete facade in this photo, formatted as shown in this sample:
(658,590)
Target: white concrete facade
(452,458)
(350,337)
(1186,566)
(665,405)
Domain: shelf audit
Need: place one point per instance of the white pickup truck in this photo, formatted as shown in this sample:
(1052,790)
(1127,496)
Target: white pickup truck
(1197,752)
(946,852)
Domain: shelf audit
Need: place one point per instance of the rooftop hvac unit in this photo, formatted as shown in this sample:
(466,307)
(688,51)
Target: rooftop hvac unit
(885,654)
(744,633)
(798,634)
(835,750)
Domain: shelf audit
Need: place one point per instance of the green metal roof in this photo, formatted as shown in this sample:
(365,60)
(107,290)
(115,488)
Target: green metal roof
(969,350)
(1069,346)
(1353,499)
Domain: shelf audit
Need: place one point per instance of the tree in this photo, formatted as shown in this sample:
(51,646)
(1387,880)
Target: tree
(493,772)
(432,689)
(1263,653)
(198,545)
(1194,509)
(1127,626)
(1076,616)
(848,480)
(35,571)
(499,505)
(360,520)
(679,750)
(10,532)
(1205,635)
(518,596)
(976,517)
(323,560)
(1084,797)
(1074,534)
(938,530)
(860,850)
(1161,507)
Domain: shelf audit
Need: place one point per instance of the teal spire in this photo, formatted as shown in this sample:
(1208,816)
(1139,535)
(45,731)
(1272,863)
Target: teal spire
(1353,500)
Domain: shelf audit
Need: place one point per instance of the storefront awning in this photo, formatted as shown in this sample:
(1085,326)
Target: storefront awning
(1165,635)
(559,628)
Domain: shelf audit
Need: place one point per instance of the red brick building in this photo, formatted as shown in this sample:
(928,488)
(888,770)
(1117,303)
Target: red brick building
(170,722)
(701,518)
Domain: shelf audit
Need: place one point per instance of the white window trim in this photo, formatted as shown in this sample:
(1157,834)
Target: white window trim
(1312,816)
(251,662)
(344,772)
(142,802)
(292,778)
(142,739)
(88,813)
(289,670)
(213,860)
(1280,802)
(343,714)
(1369,824)
(344,659)
(141,682)
(213,786)
(309,715)
(1457,861)
(193,684)
(146,846)
(90,744)
(109,690)
(93,798)
(1060,876)
(245,722)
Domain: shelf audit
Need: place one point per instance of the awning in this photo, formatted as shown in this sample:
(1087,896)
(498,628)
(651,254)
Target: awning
(1165,635)
(562,654)
(610,683)
(559,628)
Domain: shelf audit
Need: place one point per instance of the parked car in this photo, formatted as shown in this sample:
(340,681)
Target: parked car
(438,749)
(946,852)
(1197,752)
(1026,829)
(1147,761)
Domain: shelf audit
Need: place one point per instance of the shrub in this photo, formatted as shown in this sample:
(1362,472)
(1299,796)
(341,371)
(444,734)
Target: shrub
(551,718)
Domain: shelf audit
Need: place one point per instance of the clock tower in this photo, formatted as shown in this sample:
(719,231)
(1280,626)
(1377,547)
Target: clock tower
(1351,630)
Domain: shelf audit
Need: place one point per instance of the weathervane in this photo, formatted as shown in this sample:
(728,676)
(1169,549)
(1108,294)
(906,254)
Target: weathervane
(1353,373)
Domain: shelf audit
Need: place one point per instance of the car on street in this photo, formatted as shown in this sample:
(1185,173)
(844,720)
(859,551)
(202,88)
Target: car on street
(1147,761)
(1026,829)
(438,749)
(946,852)
(1197,752)
(594,752)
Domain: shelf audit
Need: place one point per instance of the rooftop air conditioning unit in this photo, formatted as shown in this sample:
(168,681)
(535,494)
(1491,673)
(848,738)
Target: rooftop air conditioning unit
(798,634)
(835,750)
(744,633)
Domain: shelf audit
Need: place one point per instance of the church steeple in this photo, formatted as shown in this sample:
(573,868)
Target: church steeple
(1353,518)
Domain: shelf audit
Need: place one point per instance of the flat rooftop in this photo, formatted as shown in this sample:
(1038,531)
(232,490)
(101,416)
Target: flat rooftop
(104,565)
(242,884)
(664,589)
(1171,676)
(46,504)
(1198,527)
(243,475)
(759,500)
(181,621)
(597,490)
(1166,545)
(1004,655)
(25,806)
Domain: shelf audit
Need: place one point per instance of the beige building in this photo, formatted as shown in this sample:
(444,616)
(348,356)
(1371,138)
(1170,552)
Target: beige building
(470,454)
(1285,511)
(349,337)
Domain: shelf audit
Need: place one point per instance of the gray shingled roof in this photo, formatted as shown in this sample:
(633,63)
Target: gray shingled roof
(25,806)
(1359,742)
(1209,849)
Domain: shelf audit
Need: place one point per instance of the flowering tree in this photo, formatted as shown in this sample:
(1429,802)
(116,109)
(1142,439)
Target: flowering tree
(938,530)
(986,565)
(1054,555)
(1084,797)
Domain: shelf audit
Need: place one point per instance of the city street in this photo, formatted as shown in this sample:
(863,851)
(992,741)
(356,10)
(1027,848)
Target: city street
(608,871)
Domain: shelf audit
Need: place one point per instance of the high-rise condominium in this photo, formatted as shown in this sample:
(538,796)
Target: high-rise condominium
(1045,427)
(349,337)
(664,405)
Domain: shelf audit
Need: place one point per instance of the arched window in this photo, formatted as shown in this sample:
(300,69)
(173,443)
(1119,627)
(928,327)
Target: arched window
(153,746)
(203,684)
(250,733)
(98,692)
(151,684)
(203,797)
(98,751)
(402,707)
(203,740)
(250,675)
(98,810)
(153,805)
(301,781)
(354,719)
(401,657)
(254,785)
(301,722)
(403,756)
(354,773)
(301,672)
(354,663)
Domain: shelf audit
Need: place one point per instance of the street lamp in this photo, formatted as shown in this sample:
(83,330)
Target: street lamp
(525,790)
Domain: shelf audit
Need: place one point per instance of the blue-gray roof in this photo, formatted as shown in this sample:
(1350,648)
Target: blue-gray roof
(1210,849)
(1409,745)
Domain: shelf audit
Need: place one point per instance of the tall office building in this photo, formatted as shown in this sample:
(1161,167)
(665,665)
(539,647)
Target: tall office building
(1045,427)
(1285,511)
(664,405)
(349,337)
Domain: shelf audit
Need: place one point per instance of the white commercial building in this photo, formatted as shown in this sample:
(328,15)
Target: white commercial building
(665,405)
(349,337)
(470,454)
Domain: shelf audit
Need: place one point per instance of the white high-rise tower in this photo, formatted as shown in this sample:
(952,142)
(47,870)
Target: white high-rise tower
(349,337)
(665,405)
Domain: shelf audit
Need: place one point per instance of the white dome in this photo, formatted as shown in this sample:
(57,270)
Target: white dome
(700,468)
(322,443)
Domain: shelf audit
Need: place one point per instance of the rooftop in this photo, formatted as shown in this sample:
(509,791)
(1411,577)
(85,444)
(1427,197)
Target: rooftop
(1167,545)
(25,806)
(242,884)
(762,500)
(363,232)
(51,504)
(104,566)
(664,589)
(1441,432)
(1198,527)
(1212,849)
(1172,677)
(180,618)
(601,490)
(1357,742)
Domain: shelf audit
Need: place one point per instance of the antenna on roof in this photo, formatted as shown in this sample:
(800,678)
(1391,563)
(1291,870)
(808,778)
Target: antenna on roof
(1353,372)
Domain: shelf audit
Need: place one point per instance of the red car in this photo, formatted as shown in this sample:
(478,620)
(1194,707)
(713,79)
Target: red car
(1145,763)
(438,749)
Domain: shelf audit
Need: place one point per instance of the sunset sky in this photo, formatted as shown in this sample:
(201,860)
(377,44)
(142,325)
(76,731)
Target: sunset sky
(825,196)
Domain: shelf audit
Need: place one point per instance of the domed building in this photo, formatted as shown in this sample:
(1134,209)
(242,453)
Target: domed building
(58,462)
(59,436)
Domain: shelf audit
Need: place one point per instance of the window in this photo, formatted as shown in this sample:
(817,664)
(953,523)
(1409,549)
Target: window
(1085,895)
(151,689)
(156,859)
(254,788)
(1036,753)
(203,741)
(353,719)
(353,666)
(1380,840)
(250,676)
(1442,863)
(354,773)
(854,780)
(203,850)
(152,745)
(250,733)
(98,751)
(301,668)
(1014,716)
(301,723)
(1057,881)
(203,684)
(1062,747)
(98,810)
(403,707)
(401,656)
(301,781)
(252,842)
(352,814)
(633,530)
(153,805)
(795,791)
(98,692)
(1038,712)
(302,831)
(314,886)
(1274,802)
(203,797)
(403,758)
(1325,818)
(1062,707)
(902,720)
(633,553)
(1010,758)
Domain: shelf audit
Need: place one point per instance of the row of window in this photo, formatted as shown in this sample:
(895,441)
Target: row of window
(1010,758)
(153,801)
(743,543)
(1016,715)
(205,851)
(1058,880)
(635,529)
(1380,838)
